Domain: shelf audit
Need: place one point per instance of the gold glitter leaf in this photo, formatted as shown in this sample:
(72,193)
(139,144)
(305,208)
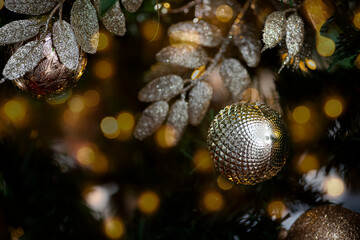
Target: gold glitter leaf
(131,5)
(151,119)
(18,31)
(85,24)
(235,77)
(199,101)
(178,118)
(31,7)
(184,55)
(113,19)
(274,29)
(161,88)
(65,44)
(24,59)
(201,33)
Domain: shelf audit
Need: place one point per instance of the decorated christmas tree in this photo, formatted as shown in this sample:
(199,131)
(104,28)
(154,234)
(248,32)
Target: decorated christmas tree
(202,119)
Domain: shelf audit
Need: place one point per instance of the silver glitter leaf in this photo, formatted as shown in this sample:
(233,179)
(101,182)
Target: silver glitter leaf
(31,7)
(151,119)
(131,5)
(295,33)
(113,19)
(23,60)
(201,33)
(65,44)
(246,38)
(185,55)
(235,77)
(85,24)
(178,118)
(18,31)
(199,102)
(162,88)
(274,29)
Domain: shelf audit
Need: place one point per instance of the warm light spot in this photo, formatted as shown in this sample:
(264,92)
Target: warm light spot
(301,114)
(101,163)
(59,99)
(1,4)
(357,61)
(15,110)
(297,132)
(151,30)
(76,104)
(277,209)
(356,20)
(166,5)
(85,155)
(70,117)
(325,46)
(148,202)
(109,126)
(34,134)
(114,228)
(307,163)
(333,108)
(165,136)
(283,57)
(16,233)
(103,41)
(317,12)
(202,160)
(334,186)
(310,64)
(224,183)
(198,72)
(104,69)
(94,40)
(251,94)
(91,98)
(224,13)
(302,66)
(213,201)
(96,197)
(126,121)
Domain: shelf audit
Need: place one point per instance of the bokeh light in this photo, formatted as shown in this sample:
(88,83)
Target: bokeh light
(91,98)
(198,72)
(16,233)
(151,30)
(165,136)
(104,69)
(114,228)
(126,122)
(70,117)
(277,209)
(202,160)
(310,64)
(224,13)
(333,108)
(213,201)
(297,132)
(1,4)
(86,155)
(356,20)
(307,162)
(34,134)
(148,202)
(76,104)
(224,183)
(302,66)
(103,41)
(110,128)
(325,46)
(61,98)
(301,114)
(15,110)
(334,186)
(96,197)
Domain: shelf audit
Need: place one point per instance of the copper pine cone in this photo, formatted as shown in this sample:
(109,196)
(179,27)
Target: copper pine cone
(50,76)
(248,142)
(326,222)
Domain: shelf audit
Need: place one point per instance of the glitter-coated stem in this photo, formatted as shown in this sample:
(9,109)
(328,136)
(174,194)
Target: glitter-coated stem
(50,16)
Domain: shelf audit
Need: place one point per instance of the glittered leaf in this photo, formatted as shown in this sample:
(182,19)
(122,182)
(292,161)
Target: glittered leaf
(31,7)
(199,101)
(151,119)
(274,29)
(23,60)
(235,77)
(65,44)
(201,33)
(161,88)
(113,19)
(178,118)
(160,69)
(184,55)
(104,5)
(247,40)
(131,5)
(85,24)
(19,31)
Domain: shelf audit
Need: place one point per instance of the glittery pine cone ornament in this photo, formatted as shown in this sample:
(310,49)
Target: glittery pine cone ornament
(248,142)
(328,222)
(50,76)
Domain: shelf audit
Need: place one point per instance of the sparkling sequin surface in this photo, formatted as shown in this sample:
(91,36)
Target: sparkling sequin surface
(326,222)
(31,7)
(178,118)
(18,31)
(274,29)
(131,5)
(248,142)
(113,19)
(199,101)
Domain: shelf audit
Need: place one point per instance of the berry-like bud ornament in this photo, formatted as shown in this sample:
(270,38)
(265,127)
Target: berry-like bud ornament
(248,142)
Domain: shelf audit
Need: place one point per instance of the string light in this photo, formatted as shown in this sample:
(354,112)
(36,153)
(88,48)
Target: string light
(334,186)
(148,202)
(333,108)
(224,13)
(310,64)
(301,114)
(202,160)
(213,201)
(114,228)
(110,128)
(277,209)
